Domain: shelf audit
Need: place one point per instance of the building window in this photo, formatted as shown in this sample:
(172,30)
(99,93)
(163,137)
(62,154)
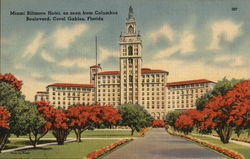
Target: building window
(130,78)
(130,50)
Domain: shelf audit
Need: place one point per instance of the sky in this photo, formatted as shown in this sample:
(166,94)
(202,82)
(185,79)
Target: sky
(192,39)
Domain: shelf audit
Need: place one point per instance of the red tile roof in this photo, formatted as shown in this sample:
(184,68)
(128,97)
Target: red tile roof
(72,85)
(95,66)
(189,82)
(148,70)
(109,73)
(42,92)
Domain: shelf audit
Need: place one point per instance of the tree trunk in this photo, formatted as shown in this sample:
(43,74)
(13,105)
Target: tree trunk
(78,134)
(248,134)
(35,141)
(4,134)
(225,134)
(36,136)
(132,131)
(60,135)
(238,133)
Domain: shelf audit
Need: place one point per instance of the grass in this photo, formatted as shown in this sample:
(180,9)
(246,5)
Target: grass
(244,150)
(71,150)
(108,133)
(23,142)
(243,134)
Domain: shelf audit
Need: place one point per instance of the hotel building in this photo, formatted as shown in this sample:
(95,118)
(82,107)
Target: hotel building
(131,84)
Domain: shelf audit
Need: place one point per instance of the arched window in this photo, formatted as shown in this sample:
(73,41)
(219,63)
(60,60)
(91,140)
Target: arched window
(130,50)
(130,30)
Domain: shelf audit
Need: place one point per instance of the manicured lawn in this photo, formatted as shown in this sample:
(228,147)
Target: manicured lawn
(243,134)
(108,133)
(22,142)
(72,150)
(244,150)
(95,133)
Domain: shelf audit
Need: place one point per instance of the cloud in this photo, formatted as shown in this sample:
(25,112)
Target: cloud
(36,75)
(4,41)
(45,55)
(165,30)
(80,62)
(64,36)
(20,67)
(72,78)
(185,46)
(167,51)
(226,29)
(231,60)
(32,48)
(180,70)
(106,53)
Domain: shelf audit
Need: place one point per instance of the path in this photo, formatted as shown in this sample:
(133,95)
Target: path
(157,144)
(30,146)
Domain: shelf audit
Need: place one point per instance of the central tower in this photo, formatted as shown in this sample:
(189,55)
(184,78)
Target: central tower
(130,62)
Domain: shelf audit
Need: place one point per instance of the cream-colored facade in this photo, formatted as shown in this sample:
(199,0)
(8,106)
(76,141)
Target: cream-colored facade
(62,95)
(42,95)
(183,95)
(131,84)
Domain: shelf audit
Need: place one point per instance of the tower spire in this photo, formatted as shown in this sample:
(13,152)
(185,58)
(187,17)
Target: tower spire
(130,13)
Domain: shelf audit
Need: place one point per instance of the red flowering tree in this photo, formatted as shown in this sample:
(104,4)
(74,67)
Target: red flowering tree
(57,121)
(187,120)
(9,78)
(225,112)
(4,127)
(109,115)
(184,123)
(84,117)
(60,126)
(158,123)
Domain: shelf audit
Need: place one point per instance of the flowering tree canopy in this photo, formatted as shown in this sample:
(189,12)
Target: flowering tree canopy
(56,120)
(4,126)
(158,123)
(9,78)
(4,115)
(83,117)
(223,112)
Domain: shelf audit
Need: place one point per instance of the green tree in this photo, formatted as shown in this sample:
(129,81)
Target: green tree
(14,102)
(171,117)
(135,117)
(36,124)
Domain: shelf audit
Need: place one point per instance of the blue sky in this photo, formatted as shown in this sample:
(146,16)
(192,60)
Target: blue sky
(191,39)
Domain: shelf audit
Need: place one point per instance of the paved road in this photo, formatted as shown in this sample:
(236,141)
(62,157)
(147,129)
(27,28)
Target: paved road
(157,144)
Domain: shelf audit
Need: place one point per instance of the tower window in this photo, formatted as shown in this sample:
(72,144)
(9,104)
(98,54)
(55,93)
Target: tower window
(130,50)
(130,29)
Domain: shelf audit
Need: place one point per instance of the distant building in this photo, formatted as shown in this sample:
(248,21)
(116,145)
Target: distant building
(41,95)
(63,95)
(183,95)
(131,84)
